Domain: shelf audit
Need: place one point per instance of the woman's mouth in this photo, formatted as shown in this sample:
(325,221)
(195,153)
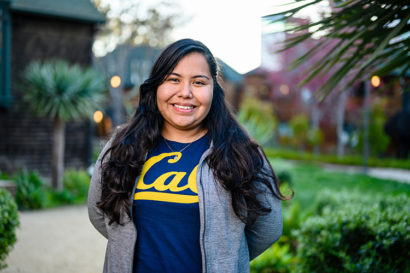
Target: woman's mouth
(183,108)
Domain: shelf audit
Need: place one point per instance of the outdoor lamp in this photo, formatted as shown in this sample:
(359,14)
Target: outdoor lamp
(115,81)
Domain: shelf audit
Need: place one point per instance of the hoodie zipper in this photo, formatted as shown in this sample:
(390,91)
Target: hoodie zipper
(202,216)
(133,223)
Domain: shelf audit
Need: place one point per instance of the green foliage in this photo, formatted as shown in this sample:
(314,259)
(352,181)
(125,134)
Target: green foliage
(346,160)
(309,180)
(4,176)
(258,119)
(32,193)
(317,191)
(314,137)
(75,190)
(303,134)
(277,259)
(362,38)
(300,126)
(355,233)
(378,140)
(8,224)
(30,190)
(57,89)
(284,177)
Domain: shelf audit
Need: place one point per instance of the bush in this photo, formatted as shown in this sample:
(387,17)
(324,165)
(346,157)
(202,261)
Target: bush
(75,190)
(334,159)
(354,233)
(285,177)
(30,190)
(258,118)
(8,224)
(277,259)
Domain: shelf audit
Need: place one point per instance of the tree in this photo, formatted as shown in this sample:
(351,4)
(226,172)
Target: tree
(132,23)
(370,37)
(63,92)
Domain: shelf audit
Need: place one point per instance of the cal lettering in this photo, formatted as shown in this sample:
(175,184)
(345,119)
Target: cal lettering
(159,183)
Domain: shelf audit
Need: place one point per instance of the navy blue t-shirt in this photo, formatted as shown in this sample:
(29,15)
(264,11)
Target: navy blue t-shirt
(166,210)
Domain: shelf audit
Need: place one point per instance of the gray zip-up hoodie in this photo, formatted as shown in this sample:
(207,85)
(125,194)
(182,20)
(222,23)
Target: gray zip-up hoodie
(227,244)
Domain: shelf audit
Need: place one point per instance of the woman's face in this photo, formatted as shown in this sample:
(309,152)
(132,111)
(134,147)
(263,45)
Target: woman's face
(185,97)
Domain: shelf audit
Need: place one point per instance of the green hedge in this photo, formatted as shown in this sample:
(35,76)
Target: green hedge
(33,193)
(8,224)
(356,160)
(30,190)
(76,183)
(354,233)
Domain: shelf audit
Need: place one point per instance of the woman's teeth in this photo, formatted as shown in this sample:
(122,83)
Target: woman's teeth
(183,107)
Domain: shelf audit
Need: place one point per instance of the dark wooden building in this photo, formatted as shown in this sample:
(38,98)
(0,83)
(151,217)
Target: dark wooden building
(40,30)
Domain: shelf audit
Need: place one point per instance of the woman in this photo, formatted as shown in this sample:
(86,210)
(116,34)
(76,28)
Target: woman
(182,187)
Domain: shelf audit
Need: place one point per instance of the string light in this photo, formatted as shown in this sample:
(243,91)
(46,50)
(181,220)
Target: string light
(115,81)
(375,81)
(98,116)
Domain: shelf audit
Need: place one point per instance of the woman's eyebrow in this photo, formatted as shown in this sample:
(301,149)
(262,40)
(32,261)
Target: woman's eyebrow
(201,76)
(196,76)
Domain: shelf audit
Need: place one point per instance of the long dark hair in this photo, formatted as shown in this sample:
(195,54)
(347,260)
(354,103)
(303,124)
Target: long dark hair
(237,162)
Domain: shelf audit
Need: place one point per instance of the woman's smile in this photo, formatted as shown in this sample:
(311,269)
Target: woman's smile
(184,108)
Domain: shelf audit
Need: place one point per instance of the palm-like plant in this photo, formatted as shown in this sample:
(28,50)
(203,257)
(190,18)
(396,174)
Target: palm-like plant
(367,37)
(62,92)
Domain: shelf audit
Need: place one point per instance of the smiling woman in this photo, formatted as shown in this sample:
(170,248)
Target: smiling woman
(185,176)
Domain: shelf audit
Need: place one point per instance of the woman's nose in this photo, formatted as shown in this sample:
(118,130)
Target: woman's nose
(185,91)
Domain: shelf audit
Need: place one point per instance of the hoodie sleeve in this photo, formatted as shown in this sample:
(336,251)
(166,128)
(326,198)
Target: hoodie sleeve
(267,229)
(94,195)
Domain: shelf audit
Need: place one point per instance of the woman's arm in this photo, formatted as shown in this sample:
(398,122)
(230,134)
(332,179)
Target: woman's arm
(268,227)
(94,196)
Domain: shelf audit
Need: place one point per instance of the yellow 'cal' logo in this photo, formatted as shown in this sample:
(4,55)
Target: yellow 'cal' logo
(173,186)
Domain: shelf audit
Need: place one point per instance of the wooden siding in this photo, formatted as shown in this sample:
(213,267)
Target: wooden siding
(25,140)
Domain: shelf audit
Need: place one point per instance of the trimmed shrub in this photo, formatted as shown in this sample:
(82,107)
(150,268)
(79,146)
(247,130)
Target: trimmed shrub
(354,233)
(277,259)
(30,190)
(8,224)
(75,190)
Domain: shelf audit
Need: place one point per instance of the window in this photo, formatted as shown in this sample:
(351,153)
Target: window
(5,97)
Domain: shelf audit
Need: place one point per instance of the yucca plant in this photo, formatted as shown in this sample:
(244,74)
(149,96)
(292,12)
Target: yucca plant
(366,37)
(62,92)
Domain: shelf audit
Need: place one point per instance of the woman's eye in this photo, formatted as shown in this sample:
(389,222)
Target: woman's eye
(199,83)
(173,80)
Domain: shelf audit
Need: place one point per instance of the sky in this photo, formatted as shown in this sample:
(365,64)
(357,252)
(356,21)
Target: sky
(230,28)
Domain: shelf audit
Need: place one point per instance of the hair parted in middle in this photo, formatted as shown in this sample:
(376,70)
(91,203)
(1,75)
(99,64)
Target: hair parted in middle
(237,162)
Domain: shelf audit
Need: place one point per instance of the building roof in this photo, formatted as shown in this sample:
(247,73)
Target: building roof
(229,73)
(79,10)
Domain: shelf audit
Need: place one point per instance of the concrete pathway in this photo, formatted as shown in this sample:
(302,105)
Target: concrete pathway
(398,175)
(56,241)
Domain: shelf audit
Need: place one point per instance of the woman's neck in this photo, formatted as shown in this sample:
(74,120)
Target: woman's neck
(183,136)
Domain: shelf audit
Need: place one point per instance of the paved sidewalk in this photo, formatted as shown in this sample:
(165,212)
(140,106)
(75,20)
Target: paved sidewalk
(398,175)
(57,241)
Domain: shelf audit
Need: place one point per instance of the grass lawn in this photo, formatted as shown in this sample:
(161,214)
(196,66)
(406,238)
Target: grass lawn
(308,180)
